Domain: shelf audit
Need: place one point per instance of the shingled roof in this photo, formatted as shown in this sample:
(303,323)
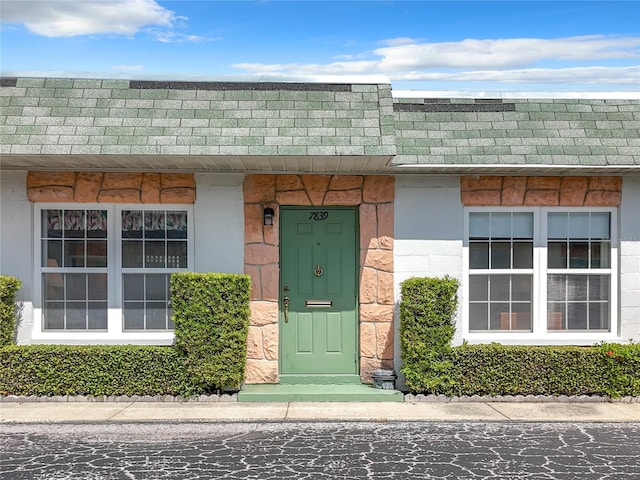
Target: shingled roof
(58,123)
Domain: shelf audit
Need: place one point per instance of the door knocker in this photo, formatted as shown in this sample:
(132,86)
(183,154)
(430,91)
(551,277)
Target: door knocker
(318,271)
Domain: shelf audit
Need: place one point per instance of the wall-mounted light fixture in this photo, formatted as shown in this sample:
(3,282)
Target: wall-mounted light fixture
(267,216)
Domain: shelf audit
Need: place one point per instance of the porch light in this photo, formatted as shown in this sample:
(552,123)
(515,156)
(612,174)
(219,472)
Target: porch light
(268,216)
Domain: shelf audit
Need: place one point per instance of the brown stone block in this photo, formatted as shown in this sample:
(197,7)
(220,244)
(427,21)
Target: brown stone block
(294,197)
(368,285)
(343,197)
(122,180)
(256,282)
(261,371)
(384,341)
(376,313)
(346,182)
(259,188)
(288,182)
(87,187)
(316,187)
(385,223)
(573,191)
(543,183)
(254,343)
(263,313)
(51,194)
(150,188)
(602,199)
(43,179)
(368,340)
(253,223)
(481,198)
(119,195)
(270,276)
(605,183)
(385,288)
(513,189)
(473,183)
(380,260)
(368,365)
(540,198)
(270,341)
(177,180)
(368,226)
(177,195)
(378,189)
(260,254)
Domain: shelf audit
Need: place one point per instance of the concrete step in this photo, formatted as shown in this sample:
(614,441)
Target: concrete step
(317,393)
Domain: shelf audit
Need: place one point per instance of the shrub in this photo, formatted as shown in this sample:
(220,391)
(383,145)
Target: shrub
(211,326)
(8,288)
(427,309)
(46,370)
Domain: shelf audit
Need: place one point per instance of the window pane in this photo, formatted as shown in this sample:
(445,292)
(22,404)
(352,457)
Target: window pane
(96,223)
(599,287)
(500,255)
(131,254)
(577,316)
(131,224)
(52,253)
(76,286)
(478,288)
(499,318)
(98,316)
(601,254)
(501,225)
(599,316)
(521,316)
(558,225)
(522,225)
(154,225)
(74,253)
(478,317)
(578,254)
(521,288)
(53,286)
(76,315)
(53,316)
(52,223)
(74,224)
(156,315)
(133,288)
(133,315)
(177,225)
(578,225)
(479,255)
(176,254)
(97,286)
(156,287)
(577,287)
(557,255)
(523,255)
(499,287)
(479,225)
(599,227)
(96,253)
(557,288)
(154,254)
(555,316)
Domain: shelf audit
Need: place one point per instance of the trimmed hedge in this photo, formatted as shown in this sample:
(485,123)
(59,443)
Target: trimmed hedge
(211,316)
(46,370)
(8,288)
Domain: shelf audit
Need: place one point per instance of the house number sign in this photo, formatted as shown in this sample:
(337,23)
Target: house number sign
(318,216)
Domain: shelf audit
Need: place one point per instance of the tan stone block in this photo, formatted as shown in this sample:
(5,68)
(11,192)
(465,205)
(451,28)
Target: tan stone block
(385,288)
(259,188)
(343,197)
(177,180)
(346,182)
(602,199)
(473,183)
(316,187)
(294,197)
(513,190)
(263,313)
(368,285)
(573,191)
(368,365)
(385,224)
(540,198)
(378,189)
(543,183)
(87,187)
(605,183)
(261,371)
(122,180)
(254,343)
(253,213)
(260,254)
(270,341)
(270,276)
(150,188)
(177,195)
(256,282)
(368,226)
(51,194)
(368,340)
(288,182)
(481,198)
(376,313)
(380,260)
(43,179)
(119,195)
(384,341)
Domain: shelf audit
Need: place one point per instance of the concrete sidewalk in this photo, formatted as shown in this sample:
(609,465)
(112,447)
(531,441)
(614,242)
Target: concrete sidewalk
(320,411)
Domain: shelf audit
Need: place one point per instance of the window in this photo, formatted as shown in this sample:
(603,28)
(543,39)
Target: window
(109,267)
(540,271)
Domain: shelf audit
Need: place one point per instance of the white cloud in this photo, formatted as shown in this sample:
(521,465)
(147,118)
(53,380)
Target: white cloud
(128,68)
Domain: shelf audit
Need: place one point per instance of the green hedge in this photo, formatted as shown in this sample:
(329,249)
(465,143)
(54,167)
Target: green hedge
(46,370)
(211,326)
(8,288)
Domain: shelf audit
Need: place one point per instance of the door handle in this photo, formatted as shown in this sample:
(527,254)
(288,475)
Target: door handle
(286,309)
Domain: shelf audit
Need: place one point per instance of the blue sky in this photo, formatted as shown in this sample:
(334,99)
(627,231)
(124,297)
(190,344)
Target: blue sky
(454,45)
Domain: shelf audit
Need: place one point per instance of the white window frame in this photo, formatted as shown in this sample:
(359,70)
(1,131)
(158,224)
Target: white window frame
(539,334)
(115,333)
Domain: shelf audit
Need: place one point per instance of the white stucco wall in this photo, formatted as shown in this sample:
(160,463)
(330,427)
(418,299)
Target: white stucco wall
(630,259)
(428,234)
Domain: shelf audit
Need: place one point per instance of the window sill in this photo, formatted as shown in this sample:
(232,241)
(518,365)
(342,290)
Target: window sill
(103,338)
(520,338)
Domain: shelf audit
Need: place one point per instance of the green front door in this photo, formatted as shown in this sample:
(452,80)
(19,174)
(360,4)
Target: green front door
(318,321)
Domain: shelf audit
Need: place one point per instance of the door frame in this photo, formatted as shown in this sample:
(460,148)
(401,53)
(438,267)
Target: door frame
(329,377)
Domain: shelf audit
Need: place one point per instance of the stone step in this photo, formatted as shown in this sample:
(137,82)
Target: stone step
(317,393)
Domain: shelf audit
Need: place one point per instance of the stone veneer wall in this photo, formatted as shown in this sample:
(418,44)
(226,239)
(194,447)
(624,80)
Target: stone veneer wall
(374,195)
(91,187)
(540,191)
